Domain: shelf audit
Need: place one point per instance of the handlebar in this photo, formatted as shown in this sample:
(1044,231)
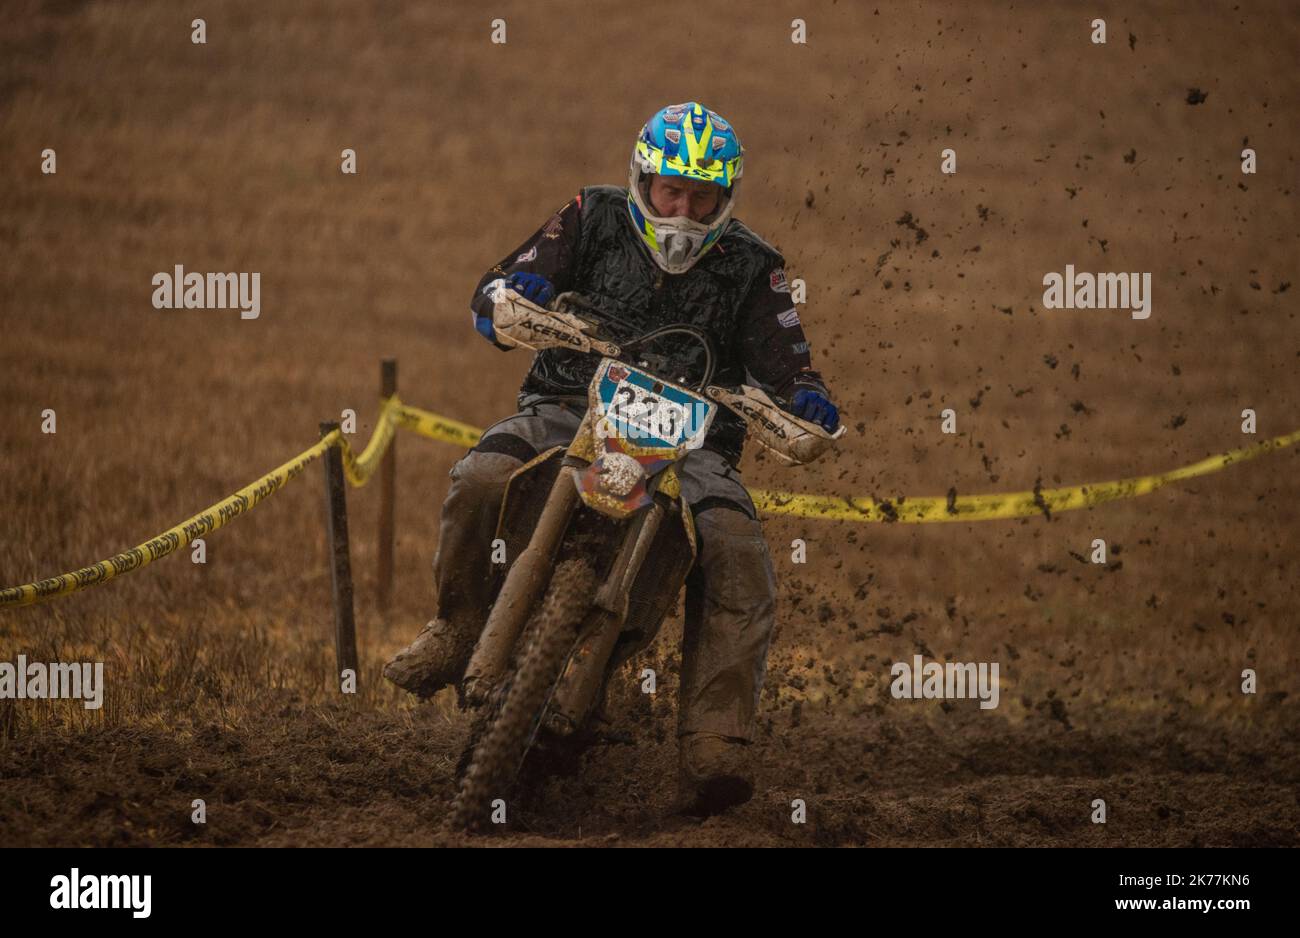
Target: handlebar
(581,306)
(572,321)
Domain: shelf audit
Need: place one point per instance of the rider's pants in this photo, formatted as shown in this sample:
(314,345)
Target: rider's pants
(730,593)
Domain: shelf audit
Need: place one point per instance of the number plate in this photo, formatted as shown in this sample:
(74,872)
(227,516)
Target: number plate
(648,412)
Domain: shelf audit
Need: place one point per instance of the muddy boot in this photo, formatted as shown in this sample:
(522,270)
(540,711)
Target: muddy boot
(463,571)
(714,774)
(436,658)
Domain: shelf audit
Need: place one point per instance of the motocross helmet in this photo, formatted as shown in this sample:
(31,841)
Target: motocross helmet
(691,141)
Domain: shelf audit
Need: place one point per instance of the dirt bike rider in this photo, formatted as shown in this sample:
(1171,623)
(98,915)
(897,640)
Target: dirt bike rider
(664,250)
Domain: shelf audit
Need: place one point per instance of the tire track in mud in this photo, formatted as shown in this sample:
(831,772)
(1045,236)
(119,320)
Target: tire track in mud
(342,776)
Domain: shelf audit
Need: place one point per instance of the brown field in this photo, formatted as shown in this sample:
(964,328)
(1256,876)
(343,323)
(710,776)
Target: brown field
(1119,681)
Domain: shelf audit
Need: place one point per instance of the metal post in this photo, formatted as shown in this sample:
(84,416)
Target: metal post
(387,492)
(336,530)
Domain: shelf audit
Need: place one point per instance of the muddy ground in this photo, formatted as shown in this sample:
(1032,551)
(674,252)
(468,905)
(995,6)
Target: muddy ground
(330,776)
(1120,681)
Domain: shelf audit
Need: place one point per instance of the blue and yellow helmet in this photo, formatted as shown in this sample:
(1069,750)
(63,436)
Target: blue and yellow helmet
(691,141)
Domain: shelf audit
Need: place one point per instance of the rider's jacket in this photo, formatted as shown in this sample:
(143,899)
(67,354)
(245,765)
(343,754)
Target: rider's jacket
(736,293)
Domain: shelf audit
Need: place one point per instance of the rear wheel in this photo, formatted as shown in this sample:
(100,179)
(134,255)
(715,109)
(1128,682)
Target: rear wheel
(500,752)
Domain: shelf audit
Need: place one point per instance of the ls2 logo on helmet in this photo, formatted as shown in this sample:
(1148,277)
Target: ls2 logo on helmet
(778,282)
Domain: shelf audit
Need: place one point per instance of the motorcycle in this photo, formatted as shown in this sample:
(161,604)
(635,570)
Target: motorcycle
(601,537)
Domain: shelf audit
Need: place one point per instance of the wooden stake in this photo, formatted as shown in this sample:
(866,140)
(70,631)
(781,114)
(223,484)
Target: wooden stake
(387,493)
(336,536)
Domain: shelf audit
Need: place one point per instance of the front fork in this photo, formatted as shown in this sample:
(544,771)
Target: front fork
(523,587)
(584,673)
(527,580)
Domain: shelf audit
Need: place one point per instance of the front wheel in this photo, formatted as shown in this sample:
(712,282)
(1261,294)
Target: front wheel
(505,741)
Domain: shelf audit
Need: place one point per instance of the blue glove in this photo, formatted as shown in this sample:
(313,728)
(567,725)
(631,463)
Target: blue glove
(532,287)
(484,326)
(814,407)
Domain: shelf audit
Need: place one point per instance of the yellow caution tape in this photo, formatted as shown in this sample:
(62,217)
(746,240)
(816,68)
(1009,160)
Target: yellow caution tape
(1042,501)
(359,469)
(435,427)
(171,540)
(952,507)
(393,414)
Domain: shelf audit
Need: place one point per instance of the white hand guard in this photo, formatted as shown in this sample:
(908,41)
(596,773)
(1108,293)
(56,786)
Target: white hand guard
(791,439)
(521,322)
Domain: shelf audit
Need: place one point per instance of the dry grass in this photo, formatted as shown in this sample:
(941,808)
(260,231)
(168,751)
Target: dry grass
(224,157)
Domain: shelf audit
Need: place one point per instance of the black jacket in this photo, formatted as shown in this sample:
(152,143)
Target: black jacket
(736,293)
